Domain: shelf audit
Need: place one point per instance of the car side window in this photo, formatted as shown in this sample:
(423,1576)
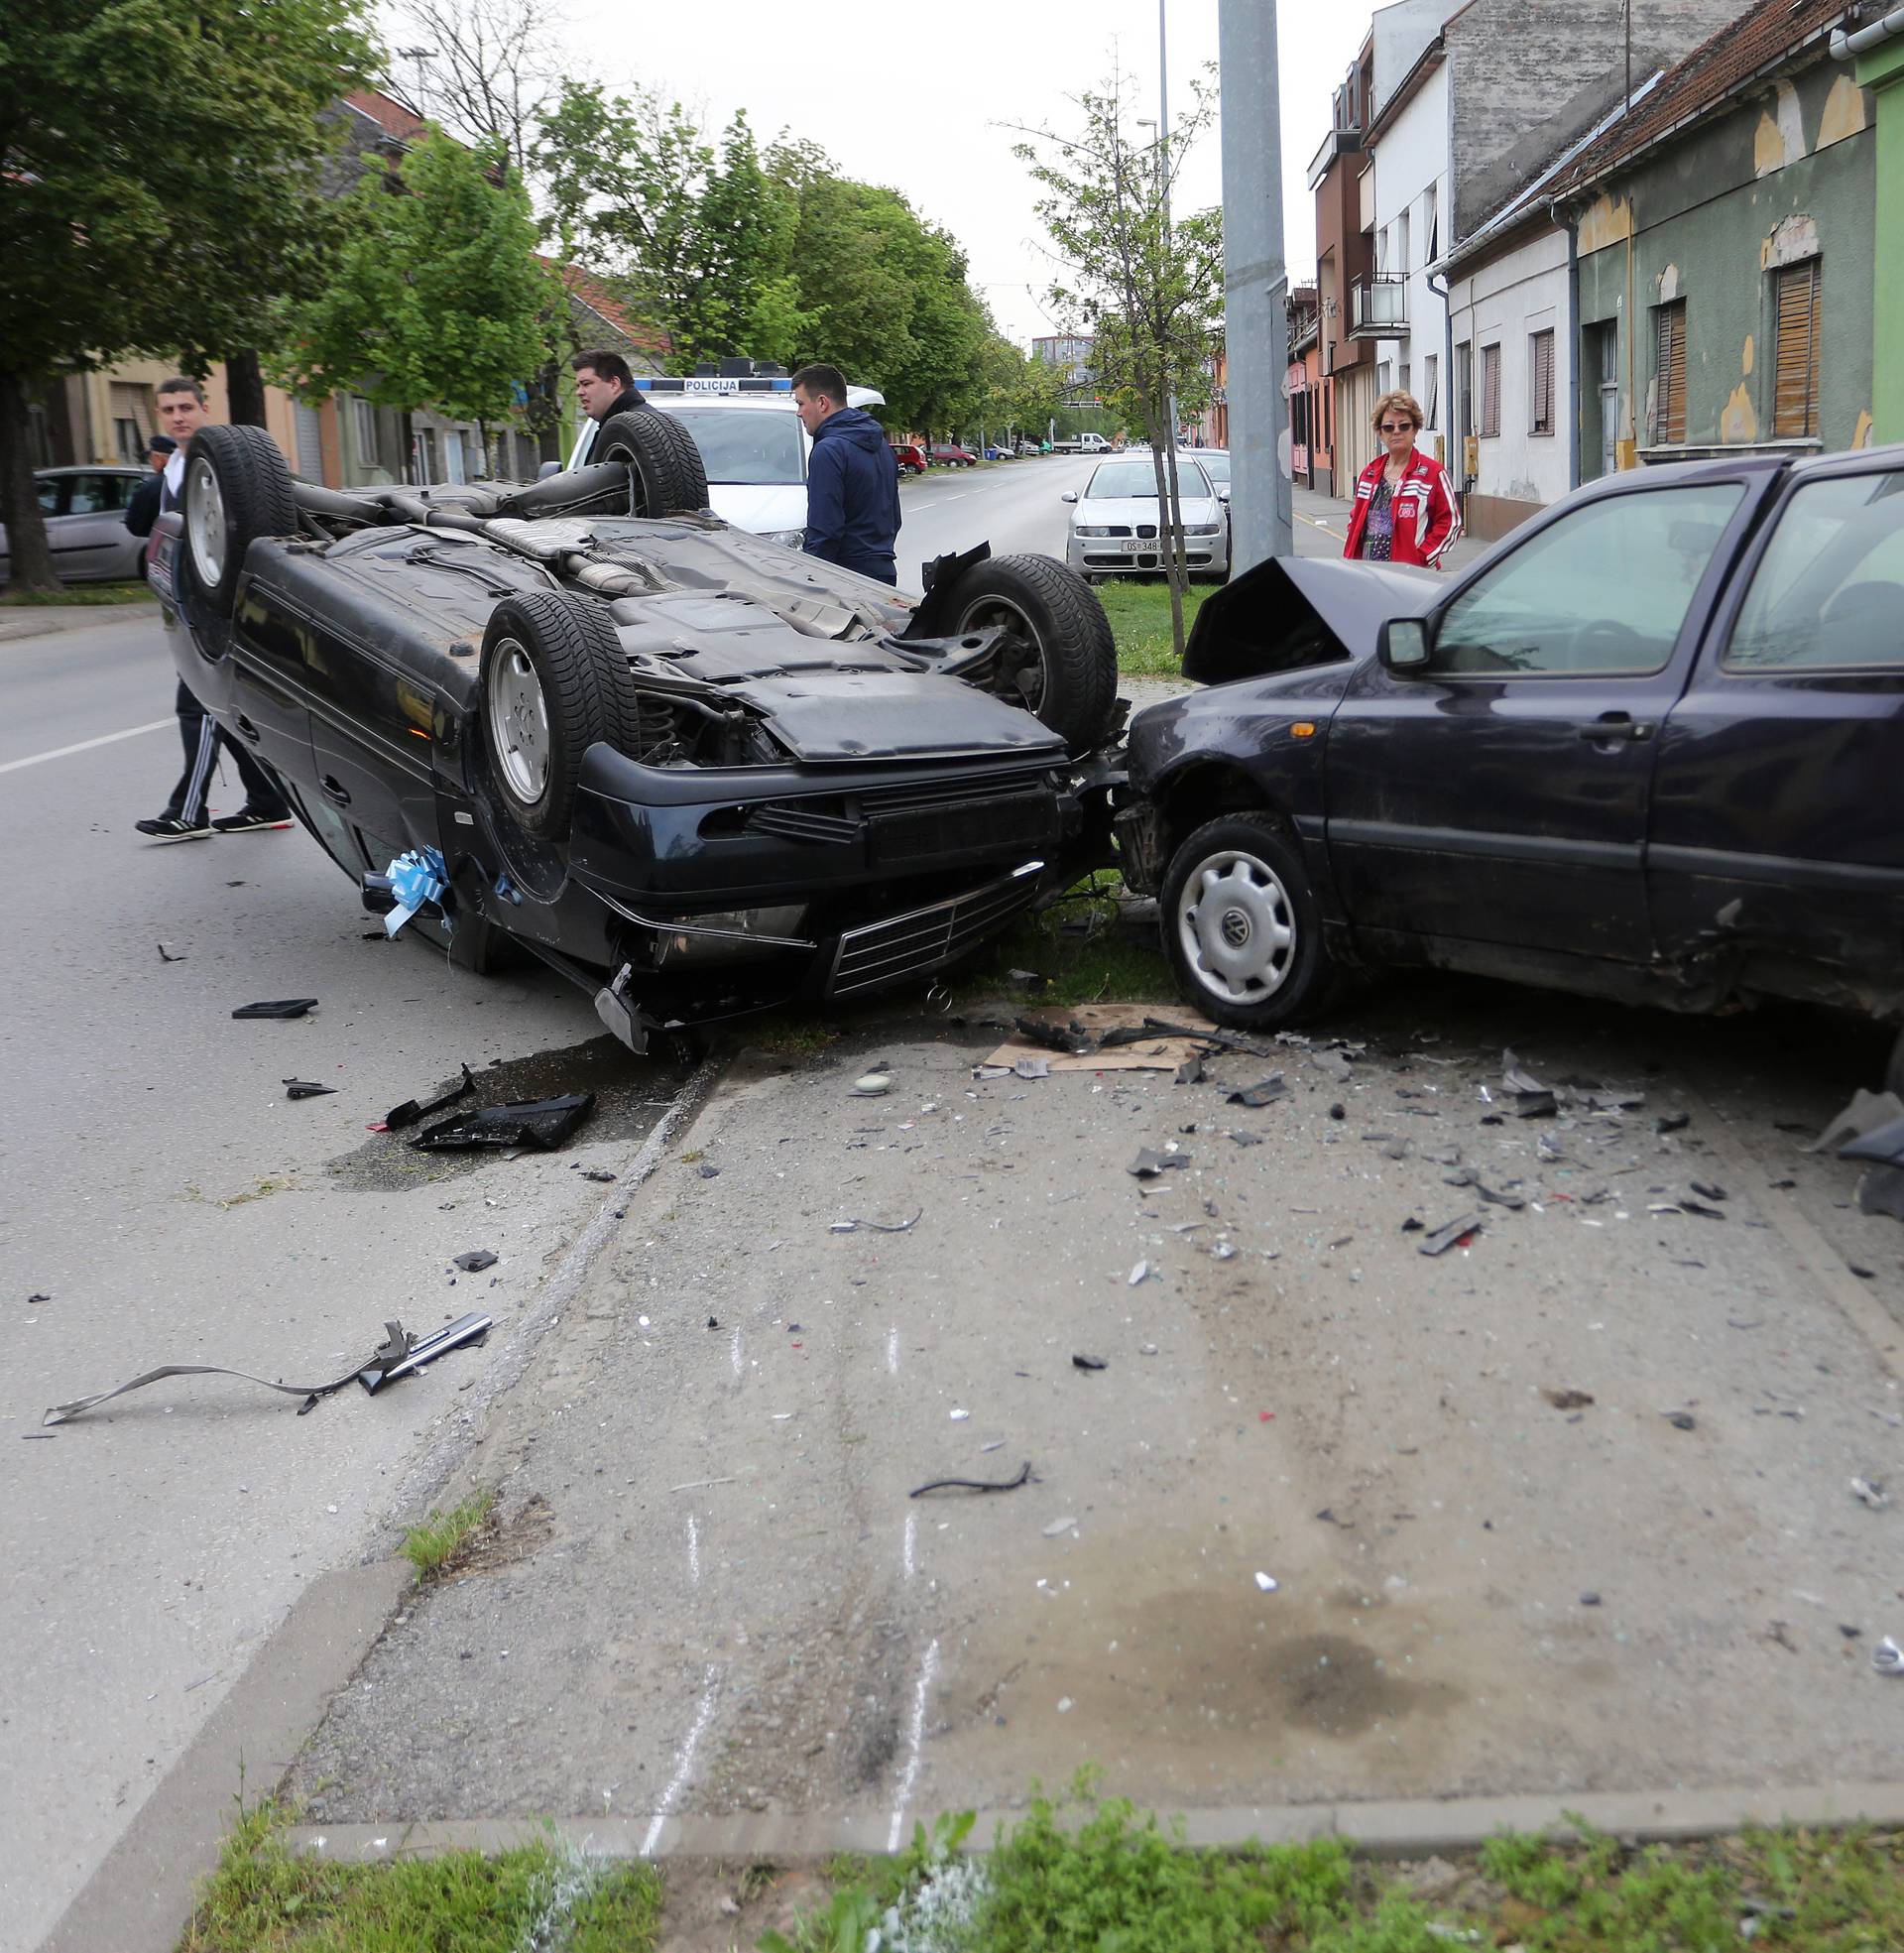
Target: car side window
(49,493)
(1828,591)
(1605,589)
(87,496)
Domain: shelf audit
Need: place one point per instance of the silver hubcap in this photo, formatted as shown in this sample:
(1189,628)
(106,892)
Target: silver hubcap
(205,522)
(519,722)
(1020,665)
(1237,928)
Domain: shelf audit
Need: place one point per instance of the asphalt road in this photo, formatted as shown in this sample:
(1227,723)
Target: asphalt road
(1014,506)
(172,1206)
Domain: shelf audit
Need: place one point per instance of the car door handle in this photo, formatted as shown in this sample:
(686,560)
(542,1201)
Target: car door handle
(246,727)
(1615,726)
(335,790)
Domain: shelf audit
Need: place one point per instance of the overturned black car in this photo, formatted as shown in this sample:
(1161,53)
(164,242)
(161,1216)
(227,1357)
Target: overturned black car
(695,771)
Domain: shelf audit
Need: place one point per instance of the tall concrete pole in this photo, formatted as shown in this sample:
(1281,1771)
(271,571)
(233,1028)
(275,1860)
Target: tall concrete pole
(1255,282)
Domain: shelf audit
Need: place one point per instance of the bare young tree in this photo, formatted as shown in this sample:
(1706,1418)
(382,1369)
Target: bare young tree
(483,69)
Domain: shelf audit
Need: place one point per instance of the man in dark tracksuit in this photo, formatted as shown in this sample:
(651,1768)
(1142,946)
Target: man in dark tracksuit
(852,479)
(182,407)
(144,501)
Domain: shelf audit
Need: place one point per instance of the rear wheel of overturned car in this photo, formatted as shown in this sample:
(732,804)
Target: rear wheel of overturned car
(1241,925)
(237,488)
(667,476)
(1058,659)
(554,680)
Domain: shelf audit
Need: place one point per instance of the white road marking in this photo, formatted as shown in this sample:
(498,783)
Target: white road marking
(914,1737)
(86,745)
(685,1761)
(893,1352)
(693,1550)
(734,1351)
(911,1538)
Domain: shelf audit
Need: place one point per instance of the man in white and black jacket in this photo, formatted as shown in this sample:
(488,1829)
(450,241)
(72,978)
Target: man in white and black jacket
(182,409)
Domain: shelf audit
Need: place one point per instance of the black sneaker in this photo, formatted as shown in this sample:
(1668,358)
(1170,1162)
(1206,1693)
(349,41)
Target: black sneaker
(249,823)
(171,829)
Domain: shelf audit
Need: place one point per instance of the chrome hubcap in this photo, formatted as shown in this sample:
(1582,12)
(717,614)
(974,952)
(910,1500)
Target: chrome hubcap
(205,522)
(1020,664)
(1236,926)
(519,722)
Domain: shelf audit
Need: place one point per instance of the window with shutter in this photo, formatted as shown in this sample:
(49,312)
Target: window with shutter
(1490,392)
(1669,374)
(1540,369)
(1796,296)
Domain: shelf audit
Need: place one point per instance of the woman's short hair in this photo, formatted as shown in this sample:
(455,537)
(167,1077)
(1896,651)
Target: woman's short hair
(1408,403)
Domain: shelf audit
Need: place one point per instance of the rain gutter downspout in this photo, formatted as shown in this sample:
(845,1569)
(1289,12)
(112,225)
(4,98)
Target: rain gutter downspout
(1845,46)
(1573,329)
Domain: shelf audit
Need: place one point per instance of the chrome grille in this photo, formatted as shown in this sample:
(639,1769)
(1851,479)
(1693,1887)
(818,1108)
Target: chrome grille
(928,938)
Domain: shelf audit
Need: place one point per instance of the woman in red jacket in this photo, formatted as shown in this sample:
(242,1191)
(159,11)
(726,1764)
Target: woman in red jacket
(1404,509)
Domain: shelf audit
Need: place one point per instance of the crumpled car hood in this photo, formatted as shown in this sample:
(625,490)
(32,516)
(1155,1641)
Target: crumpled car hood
(1256,624)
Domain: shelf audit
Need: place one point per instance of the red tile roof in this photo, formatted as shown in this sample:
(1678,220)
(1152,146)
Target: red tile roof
(399,123)
(1715,70)
(606,306)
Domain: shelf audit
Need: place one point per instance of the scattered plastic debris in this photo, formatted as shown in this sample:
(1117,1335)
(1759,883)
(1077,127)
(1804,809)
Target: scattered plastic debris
(1190,1071)
(1142,1273)
(871,1085)
(538,1125)
(1450,1234)
(281,1007)
(1024,1477)
(1887,1657)
(1266,1092)
(1149,1164)
(1267,1583)
(1871,1492)
(1058,1527)
(165,955)
(412,1109)
(1032,1068)
(1088,1363)
(876,1227)
(959,1416)
(1567,1399)
(1529,1098)
(397,1355)
(599,1174)
(1672,1122)
(303,1088)
(1681,1420)
(474,1260)
(1246,1139)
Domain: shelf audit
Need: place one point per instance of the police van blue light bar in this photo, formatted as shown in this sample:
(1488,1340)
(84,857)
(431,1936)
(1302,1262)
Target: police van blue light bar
(652,384)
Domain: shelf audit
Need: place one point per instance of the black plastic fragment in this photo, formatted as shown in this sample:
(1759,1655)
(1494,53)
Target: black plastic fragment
(1088,1363)
(412,1109)
(1681,1420)
(1149,1164)
(303,1088)
(1881,1192)
(1073,1040)
(474,1260)
(165,955)
(973,1484)
(537,1124)
(1708,1189)
(1190,1071)
(1266,1092)
(1439,1240)
(1246,1139)
(281,1007)
(1672,1122)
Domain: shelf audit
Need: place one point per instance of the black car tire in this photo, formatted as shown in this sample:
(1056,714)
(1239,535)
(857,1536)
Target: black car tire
(1895,1070)
(1071,682)
(1241,925)
(553,680)
(237,488)
(667,476)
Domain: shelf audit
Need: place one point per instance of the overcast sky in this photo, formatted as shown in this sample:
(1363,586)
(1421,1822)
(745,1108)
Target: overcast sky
(918,96)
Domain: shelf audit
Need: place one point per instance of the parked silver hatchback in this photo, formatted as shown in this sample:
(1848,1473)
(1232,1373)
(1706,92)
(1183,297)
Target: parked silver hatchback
(1115,530)
(86,515)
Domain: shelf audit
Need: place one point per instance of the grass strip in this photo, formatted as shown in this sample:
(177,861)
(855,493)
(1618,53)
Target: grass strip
(265,1898)
(1139,614)
(74,596)
(434,1545)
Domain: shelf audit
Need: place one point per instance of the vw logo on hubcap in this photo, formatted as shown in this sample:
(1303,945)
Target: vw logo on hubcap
(1236,927)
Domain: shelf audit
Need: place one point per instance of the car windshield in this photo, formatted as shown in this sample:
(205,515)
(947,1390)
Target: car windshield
(1216,466)
(752,444)
(1136,481)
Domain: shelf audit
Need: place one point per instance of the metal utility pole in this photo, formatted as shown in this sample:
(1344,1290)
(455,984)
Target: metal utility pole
(1255,282)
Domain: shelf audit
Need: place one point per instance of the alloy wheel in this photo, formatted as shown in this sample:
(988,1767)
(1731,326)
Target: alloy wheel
(1020,665)
(519,722)
(205,522)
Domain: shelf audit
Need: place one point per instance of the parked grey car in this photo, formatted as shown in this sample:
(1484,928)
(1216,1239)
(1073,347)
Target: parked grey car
(1114,525)
(85,512)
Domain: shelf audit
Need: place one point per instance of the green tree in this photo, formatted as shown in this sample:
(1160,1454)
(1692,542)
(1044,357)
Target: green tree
(437,297)
(1148,290)
(157,190)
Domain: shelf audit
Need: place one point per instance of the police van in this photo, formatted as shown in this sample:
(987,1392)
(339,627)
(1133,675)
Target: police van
(744,420)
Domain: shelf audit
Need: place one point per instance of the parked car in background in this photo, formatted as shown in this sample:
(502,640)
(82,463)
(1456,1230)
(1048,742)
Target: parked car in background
(1215,462)
(945,455)
(1084,445)
(1650,747)
(1116,529)
(85,516)
(909,455)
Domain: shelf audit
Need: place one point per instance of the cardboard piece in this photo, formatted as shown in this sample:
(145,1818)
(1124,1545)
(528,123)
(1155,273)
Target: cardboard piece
(1147,1054)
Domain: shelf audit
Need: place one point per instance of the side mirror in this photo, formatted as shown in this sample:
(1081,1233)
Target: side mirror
(1069,495)
(1223,491)
(1403,643)
(547,469)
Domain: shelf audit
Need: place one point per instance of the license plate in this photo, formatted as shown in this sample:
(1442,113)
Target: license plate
(1138,546)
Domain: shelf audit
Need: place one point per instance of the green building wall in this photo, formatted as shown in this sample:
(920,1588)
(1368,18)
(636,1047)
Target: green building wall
(1788,174)
(1881,69)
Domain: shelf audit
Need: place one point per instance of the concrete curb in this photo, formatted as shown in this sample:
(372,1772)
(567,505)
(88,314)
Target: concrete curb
(1401,1829)
(41,623)
(140,1897)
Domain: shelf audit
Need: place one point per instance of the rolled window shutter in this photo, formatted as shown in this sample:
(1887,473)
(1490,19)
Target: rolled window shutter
(1669,411)
(1543,377)
(1795,382)
(1491,391)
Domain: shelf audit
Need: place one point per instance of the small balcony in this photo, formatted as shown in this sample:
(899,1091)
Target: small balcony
(1378,308)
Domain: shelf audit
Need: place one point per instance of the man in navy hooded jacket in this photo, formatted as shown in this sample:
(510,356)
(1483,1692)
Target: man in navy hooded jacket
(852,479)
